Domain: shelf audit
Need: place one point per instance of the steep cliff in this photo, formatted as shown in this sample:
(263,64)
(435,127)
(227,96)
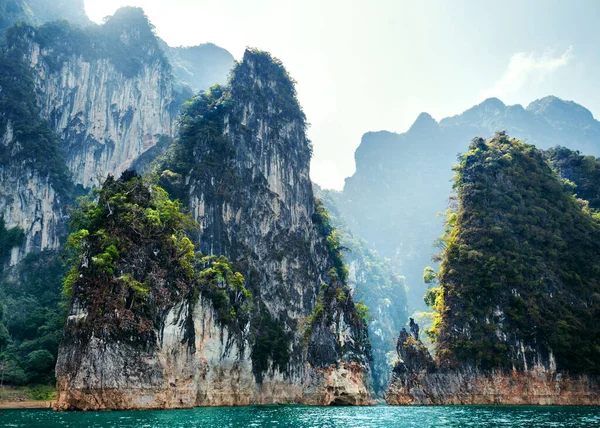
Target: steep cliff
(35,183)
(402,181)
(241,165)
(106,91)
(517,300)
(380,292)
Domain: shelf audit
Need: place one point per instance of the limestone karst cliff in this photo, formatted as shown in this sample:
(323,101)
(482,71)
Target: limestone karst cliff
(106,91)
(241,165)
(35,183)
(516,302)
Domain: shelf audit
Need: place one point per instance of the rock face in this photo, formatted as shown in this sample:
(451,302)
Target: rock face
(216,371)
(107,92)
(402,181)
(30,202)
(242,166)
(417,381)
(515,319)
(34,180)
(537,386)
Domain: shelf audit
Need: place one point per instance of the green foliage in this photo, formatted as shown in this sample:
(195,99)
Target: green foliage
(121,246)
(429,275)
(363,311)
(218,281)
(581,173)
(521,261)
(33,319)
(202,151)
(332,238)
(131,260)
(39,364)
(42,393)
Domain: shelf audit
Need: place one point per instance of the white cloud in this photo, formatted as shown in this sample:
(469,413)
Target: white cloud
(526,69)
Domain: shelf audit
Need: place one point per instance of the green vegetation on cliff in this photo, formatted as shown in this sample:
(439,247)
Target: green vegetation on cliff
(520,265)
(131,261)
(242,150)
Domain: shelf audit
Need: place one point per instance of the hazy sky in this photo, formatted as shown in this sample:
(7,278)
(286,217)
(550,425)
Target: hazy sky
(371,65)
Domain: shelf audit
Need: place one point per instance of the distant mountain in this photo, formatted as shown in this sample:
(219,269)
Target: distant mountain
(403,180)
(200,66)
(37,12)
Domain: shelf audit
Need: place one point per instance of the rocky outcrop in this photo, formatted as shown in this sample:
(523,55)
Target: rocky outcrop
(35,184)
(29,201)
(417,381)
(402,181)
(241,165)
(257,207)
(216,371)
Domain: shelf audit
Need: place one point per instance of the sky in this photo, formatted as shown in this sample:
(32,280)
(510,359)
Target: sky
(371,65)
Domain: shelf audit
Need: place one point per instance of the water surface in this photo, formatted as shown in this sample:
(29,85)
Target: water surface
(313,417)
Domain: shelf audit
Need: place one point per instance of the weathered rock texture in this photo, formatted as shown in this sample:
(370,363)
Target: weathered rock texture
(34,180)
(29,201)
(216,371)
(107,92)
(242,165)
(537,387)
(417,381)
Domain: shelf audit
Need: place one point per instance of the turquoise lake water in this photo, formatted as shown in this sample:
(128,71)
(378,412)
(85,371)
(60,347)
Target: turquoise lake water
(313,417)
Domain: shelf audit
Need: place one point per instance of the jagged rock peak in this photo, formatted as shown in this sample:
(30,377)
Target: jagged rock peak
(262,78)
(132,26)
(424,123)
